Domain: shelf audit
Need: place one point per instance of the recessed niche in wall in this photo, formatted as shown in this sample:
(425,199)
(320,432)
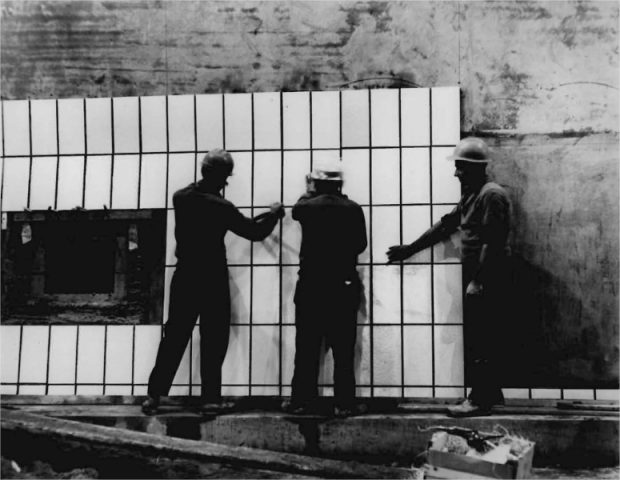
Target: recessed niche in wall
(83,267)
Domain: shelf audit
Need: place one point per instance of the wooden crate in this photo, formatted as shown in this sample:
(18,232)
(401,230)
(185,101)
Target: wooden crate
(450,465)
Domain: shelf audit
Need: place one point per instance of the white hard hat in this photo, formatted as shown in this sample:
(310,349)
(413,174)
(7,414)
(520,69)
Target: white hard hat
(329,170)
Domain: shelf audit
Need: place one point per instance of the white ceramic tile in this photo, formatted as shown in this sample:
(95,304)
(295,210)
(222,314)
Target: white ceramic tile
(326,391)
(418,392)
(265,355)
(415,175)
(147,339)
(140,390)
(61,390)
(171,259)
(384,117)
(125,182)
(326,371)
(119,354)
(448,293)
(267,120)
(181,123)
(236,368)
(238,121)
(547,393)
(386,294)
(9,353)
(387,355)
(265,298)
(516,393)
(291,239)
(71,125)
(289,283)
(446,115)
(324,157)
(32,389)
(167,281)
(449,392)
(415,116)
(209,121)
(288,355)
(418,355)
(355,128)
(91,342)
(449,355)
(181,376)
(265,391)
(126,125)
(43,183)
(385,231)
(16,127)
(117,390)
(233,391)
(296,167)
(239,294)
(179,391)
(99,125)
(296,119)
(267,178)
(98,179)
(388,392)
(363,392)
(325,119)
(613,395)
(364,257)
(33,361)
(416,220)
(239,189)
(363,313)
(15,179)
(385,176)
(89,390)
(154,129)
(43,125)
(238,249)
(356,174)
(70,182)
(153,181)
(195,360)
(446,187)
(181,170)
(417,294)
(63,353)
(448,250)
(267,251)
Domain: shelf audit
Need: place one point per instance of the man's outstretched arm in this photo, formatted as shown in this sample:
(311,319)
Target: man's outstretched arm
(259,227)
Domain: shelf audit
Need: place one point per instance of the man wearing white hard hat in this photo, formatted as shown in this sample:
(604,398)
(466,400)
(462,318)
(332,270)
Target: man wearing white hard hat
(200,284)
(328,291)
(483,218)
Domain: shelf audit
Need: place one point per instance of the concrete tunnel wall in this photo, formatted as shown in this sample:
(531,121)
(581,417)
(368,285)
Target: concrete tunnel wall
(539,81)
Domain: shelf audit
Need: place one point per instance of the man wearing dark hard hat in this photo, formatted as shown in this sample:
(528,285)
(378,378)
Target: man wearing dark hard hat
(328,291)
(483,218)
(199,285)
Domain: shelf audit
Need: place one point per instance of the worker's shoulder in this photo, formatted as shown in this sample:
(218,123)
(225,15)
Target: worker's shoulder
(492,189)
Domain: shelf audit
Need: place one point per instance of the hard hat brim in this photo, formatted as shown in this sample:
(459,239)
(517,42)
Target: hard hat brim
(469,160)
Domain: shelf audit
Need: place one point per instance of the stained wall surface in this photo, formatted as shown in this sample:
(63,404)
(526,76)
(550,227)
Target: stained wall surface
(539,80)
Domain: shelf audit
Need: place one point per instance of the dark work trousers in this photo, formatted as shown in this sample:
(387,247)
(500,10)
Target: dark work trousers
(195,293)
(483,324)
(325,309)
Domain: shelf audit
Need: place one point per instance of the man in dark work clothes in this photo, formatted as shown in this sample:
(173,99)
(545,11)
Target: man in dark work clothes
(200,282)
(328,291)
(483,218)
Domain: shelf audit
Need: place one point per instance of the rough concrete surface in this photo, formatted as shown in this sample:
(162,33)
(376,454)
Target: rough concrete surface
(538,79)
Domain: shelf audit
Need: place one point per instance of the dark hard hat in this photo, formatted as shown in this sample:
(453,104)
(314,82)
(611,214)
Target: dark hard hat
(471,149)
(218,161)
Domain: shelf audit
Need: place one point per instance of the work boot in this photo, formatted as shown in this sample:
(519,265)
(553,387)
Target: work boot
(150,405)
(469,409)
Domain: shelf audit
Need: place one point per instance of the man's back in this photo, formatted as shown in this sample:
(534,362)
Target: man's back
(333,233)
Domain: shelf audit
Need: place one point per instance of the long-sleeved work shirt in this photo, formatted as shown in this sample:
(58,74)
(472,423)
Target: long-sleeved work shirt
(482,217)
(333,234)
(202,219)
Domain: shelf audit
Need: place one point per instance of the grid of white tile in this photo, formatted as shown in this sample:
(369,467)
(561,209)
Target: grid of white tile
(132,153)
